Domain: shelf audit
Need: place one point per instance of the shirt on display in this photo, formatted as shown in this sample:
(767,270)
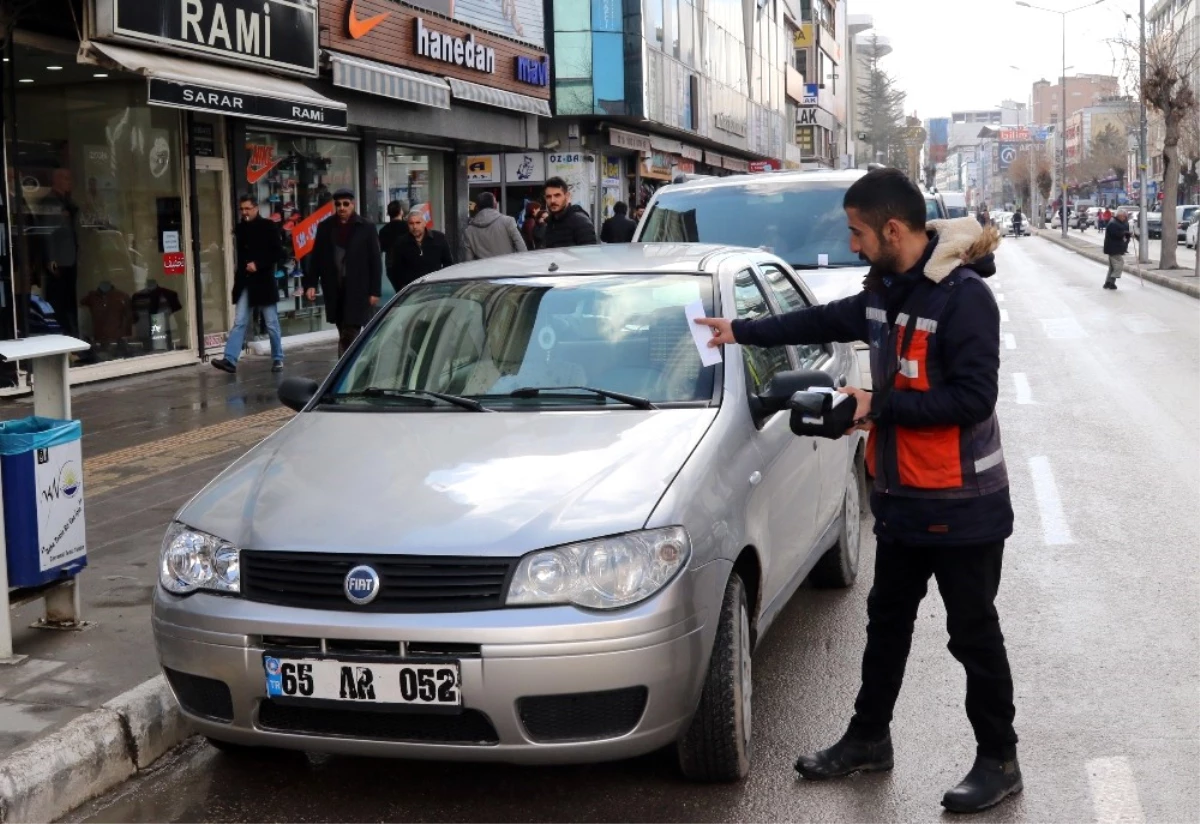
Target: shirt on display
(155,299)
(112,314)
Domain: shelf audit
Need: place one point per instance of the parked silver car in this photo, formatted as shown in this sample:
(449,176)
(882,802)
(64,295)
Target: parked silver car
(520,521)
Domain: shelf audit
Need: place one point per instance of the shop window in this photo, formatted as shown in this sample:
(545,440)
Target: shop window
(97,210)
(294,178)
(413,178)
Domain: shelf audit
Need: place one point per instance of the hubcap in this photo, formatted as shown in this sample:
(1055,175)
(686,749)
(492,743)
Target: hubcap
(853,519)
(747,681)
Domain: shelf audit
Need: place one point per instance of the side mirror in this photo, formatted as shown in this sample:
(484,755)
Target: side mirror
(295,393)
(778,392)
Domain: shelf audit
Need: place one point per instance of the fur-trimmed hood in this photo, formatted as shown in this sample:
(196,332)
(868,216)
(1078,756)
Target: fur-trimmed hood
(961,242)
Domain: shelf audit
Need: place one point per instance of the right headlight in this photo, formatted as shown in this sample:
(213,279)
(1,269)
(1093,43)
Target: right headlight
(192,560)
(603,574)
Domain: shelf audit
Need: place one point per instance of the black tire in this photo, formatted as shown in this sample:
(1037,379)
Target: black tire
(716,746)
(838,567)
(232,750)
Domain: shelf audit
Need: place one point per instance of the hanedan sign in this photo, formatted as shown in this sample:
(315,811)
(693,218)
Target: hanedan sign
(275,34)
(448,48)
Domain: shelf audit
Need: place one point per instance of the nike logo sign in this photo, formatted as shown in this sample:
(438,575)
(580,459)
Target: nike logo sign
(360,28)
(262,161)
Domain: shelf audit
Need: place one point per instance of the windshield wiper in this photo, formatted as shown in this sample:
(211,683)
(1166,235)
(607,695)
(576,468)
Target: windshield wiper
(386,392)
(535,391)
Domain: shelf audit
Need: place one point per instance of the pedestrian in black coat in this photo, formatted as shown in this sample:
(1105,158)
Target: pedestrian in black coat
(618,228)
(569,224)
(348,266)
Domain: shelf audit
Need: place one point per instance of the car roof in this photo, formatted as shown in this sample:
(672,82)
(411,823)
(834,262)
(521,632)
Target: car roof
(846,176)
(615,258)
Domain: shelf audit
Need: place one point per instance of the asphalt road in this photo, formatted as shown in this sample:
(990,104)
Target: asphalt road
(1099,402)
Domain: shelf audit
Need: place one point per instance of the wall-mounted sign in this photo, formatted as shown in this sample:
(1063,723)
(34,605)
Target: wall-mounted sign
(278,34)
(812,92)
(525,167)
(198,97)
(533,70)
(731,124)
(174,263)
(813,116)
(804,37)
(204,140)
(765,165)
(458,51)
(483,169)
(628,140)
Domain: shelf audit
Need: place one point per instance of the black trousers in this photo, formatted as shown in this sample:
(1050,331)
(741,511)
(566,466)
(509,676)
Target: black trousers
(968,578)
(61,288)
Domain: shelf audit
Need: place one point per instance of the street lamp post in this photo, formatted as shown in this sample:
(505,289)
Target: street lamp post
(1062,115)
(1143,158)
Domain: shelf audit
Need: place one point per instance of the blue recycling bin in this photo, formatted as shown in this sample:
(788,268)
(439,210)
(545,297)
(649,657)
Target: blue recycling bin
(41,465)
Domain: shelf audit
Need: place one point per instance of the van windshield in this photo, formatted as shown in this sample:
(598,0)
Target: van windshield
(803,223)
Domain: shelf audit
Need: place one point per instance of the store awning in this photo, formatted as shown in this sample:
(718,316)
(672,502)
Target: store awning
(370,77)
(487,96)
(207,87)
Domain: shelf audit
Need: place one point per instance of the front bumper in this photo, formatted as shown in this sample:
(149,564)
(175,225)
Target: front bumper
(657,651)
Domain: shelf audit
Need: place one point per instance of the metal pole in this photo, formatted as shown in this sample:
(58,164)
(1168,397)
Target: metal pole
(1143,157)
(194,209)
(1062,163)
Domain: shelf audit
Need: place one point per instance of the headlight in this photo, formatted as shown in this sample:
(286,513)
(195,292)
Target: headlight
(193,560)
(603,574)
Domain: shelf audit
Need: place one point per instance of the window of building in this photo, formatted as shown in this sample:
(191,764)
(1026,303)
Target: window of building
(572,15)
(655,20)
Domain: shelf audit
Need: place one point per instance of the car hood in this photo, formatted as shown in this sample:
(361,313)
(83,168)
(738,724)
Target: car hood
(448,482)
(833,284)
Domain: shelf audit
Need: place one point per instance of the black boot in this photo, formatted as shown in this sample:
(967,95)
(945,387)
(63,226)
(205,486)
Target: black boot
(850,755)
(988,783)
(1109,283)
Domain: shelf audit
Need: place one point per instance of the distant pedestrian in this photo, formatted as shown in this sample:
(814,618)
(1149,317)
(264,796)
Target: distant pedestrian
(533,217)
(983,216)
(348,266)
(490,233)
(259,248)
(618,228)
(392,232)
(1116,243)
(569,224)
(638,212)
(421,251)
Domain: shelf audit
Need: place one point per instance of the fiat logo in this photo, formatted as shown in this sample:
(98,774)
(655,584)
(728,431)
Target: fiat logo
(362,585)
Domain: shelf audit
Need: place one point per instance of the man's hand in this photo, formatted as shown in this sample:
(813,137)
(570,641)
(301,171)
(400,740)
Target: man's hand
(311,294)
(722,331)
(374,301)
(862,399)
(251,267)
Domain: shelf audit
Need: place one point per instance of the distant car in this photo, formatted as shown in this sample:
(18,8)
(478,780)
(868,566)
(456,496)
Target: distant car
(955,203)
(1189,237)
(1184,215)
(935,207)
(1154,224)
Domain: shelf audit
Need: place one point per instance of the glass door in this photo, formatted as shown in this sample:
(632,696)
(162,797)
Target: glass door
(216,236)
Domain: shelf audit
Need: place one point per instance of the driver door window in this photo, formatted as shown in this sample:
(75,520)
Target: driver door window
(761,364)
(808,355)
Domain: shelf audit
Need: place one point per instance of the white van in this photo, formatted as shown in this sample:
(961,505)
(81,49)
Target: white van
(956,204)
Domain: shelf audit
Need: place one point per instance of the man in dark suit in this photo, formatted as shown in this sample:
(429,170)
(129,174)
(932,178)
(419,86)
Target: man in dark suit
(348,266)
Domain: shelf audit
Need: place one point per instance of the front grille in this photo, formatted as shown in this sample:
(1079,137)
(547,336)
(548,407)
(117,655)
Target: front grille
(582,716)
(467,727)
(408,583)
(206,697)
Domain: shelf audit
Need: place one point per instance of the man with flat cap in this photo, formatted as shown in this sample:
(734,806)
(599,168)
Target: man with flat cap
(348,266)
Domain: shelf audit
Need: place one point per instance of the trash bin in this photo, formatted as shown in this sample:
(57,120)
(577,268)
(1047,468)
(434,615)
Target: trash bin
(42,470)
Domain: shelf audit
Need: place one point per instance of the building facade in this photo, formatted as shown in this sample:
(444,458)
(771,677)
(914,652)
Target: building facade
(1083,90)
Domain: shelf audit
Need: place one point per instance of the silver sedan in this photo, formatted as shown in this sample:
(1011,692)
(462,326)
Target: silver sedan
(522,520)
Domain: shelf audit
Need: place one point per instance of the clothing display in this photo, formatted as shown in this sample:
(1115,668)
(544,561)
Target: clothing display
(152,310)
(112,313)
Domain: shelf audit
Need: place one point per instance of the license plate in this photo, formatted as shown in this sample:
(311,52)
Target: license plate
(359,682)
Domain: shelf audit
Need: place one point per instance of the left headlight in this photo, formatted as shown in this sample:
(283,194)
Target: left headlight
(192,560)
(602,574)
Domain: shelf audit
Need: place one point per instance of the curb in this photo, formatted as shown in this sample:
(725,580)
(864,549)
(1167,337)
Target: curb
(1152,275)
(91,754)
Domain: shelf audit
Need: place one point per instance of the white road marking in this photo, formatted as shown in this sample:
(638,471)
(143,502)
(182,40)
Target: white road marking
(1024,393)
(1004,316)
(1055,529)
(1010,340)
(1063,328)
(1144,324)
(1114,792)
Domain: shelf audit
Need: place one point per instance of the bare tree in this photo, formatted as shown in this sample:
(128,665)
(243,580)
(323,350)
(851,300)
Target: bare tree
(1170,62)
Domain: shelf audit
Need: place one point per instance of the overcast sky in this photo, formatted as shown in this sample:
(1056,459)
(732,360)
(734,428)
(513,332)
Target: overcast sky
(968,65)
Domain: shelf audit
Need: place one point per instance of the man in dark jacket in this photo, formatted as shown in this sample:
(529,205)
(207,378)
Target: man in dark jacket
(347,264)
(390,234)
(569,224)
(259,249)
(618,228)
(421,251)
(941,497)
(1116,243)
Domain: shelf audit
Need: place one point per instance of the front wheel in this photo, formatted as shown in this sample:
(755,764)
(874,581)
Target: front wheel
(716,746)
(838,567)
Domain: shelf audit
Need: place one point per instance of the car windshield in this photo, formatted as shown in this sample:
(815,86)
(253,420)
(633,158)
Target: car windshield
(564,335)
(931,209)
(803,223)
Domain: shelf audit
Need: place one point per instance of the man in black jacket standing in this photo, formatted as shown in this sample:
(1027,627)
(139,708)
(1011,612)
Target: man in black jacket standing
(259,249)
(347,264)
(1116,244)
(941,496)
(569,224)
(421,251)
(618,228)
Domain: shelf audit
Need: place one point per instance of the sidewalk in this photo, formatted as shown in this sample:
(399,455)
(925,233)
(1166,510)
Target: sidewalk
(150,443)
(1091,247)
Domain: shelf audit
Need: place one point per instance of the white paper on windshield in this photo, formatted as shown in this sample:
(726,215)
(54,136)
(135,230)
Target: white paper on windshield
(822,260)
(709,355)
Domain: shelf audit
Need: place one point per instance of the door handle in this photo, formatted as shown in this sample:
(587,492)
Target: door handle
(755,478)
(841,381)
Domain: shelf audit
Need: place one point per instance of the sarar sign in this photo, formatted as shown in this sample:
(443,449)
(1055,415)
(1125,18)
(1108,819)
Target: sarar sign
(276,34)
